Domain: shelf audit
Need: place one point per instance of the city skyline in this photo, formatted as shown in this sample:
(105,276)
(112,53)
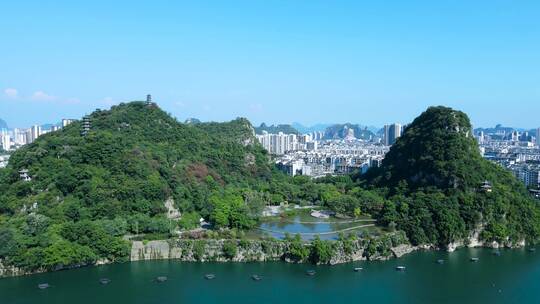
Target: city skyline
(304,61)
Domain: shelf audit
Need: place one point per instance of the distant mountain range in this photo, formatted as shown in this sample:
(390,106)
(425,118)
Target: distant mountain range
(323,126)
(501,128)
(308,129)
(331,131)
(340,131)
(285,128)
(3,124)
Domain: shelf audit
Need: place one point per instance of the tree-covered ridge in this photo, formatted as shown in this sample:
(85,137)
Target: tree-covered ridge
(88,191)
(431,180)
(437,149)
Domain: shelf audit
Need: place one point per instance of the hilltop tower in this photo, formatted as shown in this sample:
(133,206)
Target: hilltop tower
(86,125)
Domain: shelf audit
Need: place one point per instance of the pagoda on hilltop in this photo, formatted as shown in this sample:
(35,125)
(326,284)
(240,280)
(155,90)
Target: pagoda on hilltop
(149,102)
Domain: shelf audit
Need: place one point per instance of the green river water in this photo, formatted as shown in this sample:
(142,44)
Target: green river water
(512,277)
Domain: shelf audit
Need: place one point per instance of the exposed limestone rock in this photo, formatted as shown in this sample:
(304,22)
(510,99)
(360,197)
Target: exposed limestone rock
(172,212)
(402,250)
(379,248)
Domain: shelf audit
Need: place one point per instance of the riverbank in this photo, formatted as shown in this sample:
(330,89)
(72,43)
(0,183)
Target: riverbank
(457,280)
(373,248)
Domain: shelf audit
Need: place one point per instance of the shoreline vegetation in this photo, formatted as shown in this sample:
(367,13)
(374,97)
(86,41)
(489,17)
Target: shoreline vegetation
(72,197)
(292,249)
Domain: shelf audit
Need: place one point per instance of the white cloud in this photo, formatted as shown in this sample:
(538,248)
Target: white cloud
(11,93)
(42,96)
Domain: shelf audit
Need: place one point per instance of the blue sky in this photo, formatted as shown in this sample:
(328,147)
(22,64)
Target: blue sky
(368,62)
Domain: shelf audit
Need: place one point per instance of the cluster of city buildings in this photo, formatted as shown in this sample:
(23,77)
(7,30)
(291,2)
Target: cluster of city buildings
(517,151)
(313,155)
(16,138)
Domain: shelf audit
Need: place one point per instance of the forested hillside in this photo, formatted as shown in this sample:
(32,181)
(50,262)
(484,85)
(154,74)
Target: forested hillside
(88,191)
(433,182)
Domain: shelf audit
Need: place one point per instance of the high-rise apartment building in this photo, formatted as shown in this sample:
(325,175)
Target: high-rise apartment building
(33,133)
(391,133)
(66,122)
(5,140)
(280,143)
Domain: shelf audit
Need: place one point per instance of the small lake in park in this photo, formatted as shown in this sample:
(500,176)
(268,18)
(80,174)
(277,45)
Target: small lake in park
(308,226)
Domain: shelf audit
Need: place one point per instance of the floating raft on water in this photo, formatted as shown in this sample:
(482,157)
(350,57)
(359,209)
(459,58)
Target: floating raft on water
(400,268)
(104,281)
(209,276)
(43,286)
(311,272)
(161,279)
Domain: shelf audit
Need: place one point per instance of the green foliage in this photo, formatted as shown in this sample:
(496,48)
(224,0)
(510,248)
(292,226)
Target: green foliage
(321,251)
(230,248)
(347,242)
(296,251)
(198,250)
(189,220)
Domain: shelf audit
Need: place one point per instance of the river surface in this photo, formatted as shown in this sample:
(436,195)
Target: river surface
(512,277)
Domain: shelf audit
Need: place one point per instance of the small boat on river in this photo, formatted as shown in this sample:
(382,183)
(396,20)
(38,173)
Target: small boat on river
(104,281)
(44,285)
(311,272)
(440,261)
(400,268)
(209,276)
(474,259)
(357,269)
(256,277)
(161,279)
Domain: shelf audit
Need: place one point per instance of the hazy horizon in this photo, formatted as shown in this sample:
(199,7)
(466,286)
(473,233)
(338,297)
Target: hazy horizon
(257,124)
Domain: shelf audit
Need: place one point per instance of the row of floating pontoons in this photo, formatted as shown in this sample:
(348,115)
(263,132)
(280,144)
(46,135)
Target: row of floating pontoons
(256,277)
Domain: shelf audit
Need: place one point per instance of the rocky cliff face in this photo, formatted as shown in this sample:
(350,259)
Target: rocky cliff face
(383,247)
(379,248)
(10,271)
